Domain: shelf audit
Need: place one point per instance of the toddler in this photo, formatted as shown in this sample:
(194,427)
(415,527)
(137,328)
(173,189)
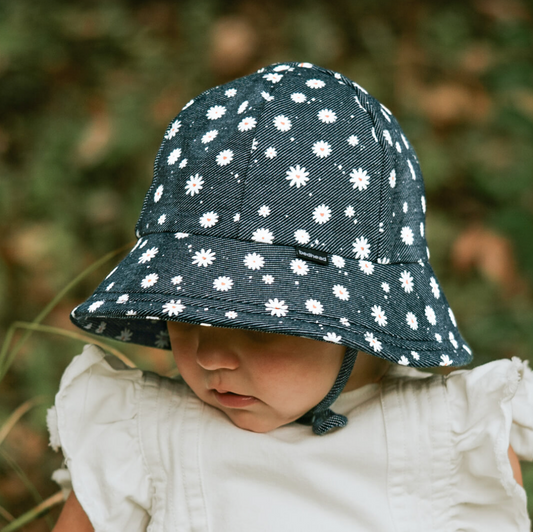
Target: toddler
(281,256)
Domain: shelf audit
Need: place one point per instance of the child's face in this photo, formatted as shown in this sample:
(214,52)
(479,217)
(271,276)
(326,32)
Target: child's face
(273,378)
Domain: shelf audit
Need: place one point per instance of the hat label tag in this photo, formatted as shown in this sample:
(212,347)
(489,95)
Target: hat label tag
(320,257)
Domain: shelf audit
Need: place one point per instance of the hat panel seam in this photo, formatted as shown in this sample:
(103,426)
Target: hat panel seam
(250,156)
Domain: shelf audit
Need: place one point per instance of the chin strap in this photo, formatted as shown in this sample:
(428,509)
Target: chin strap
(321,417)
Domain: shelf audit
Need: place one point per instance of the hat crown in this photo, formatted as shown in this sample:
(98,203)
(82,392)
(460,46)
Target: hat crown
(292,155)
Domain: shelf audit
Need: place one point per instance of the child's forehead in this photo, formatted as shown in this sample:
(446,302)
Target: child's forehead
(258,155)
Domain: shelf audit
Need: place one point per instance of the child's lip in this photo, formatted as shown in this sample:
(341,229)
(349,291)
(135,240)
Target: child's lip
(232,399)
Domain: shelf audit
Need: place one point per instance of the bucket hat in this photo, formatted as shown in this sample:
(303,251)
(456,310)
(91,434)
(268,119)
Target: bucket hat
(285,201)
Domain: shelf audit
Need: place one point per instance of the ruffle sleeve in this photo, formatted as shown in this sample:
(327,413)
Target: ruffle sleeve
(491,407)
(95,422)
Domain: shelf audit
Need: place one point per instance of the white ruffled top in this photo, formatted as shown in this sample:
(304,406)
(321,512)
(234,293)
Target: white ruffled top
(420,453)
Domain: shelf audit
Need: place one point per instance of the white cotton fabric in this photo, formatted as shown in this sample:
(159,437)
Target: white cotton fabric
(420,453)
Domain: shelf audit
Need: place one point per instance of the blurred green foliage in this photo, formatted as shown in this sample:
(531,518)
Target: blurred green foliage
(87,88)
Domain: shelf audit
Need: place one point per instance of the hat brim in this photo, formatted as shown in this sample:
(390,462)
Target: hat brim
(394,311)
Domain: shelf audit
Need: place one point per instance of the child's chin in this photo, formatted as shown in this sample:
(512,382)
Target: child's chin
(247,421)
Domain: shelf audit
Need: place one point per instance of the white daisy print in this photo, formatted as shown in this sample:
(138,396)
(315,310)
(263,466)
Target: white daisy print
(281,68)
(388,138)
(276,307)
(194,184)
(267,96)
(345,322)
(438,337)
(162,219)
(411,169)
(327,116)
(322,214)
(411,321)
(422,229)
(467,349)
(315,83)
(158,193)
(174,156)
(353,140)
(149,280)
(188,104)
(254,261)
(407,236)
(406,280)
(148,255)
(174,128)
(208,219)
(263,235)
(209,136)
(392,178)
(179,236)
(254,144)
(268,279)
(374,343)
(379,316)
(125,335)
(423,201)
(452,316)
(415,355)
(374,134)
(282,123)
(224,157)
(332,337)
(131,313)
(264,211)
(242,107)
(349,211)
(361,248)
(231,314)
(386,287)
(341,292)
(237,217)
(101,328)
(247,123)
(404,361)
(230,93)
(223,283)
(109,286)
(173,308)
(321,149)
(298,97)
(302,236)
(359,178)
(366,267)
(398,147)
(176,280)
(270,153)
(338,261)
(204,258)
(274,78)
(94,306)
(314,306)
(430,315)
(434,287)
(299,267)
(297,176)
(445,360)
(453,341)
(162,340)
(405,206)
(215,112)
(123,299)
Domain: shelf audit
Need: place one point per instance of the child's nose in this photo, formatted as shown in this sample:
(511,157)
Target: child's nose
(215,357)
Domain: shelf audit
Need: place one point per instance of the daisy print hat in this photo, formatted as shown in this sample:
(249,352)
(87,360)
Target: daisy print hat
(286,201)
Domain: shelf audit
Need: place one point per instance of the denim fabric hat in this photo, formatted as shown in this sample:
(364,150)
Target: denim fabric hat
(286,201)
